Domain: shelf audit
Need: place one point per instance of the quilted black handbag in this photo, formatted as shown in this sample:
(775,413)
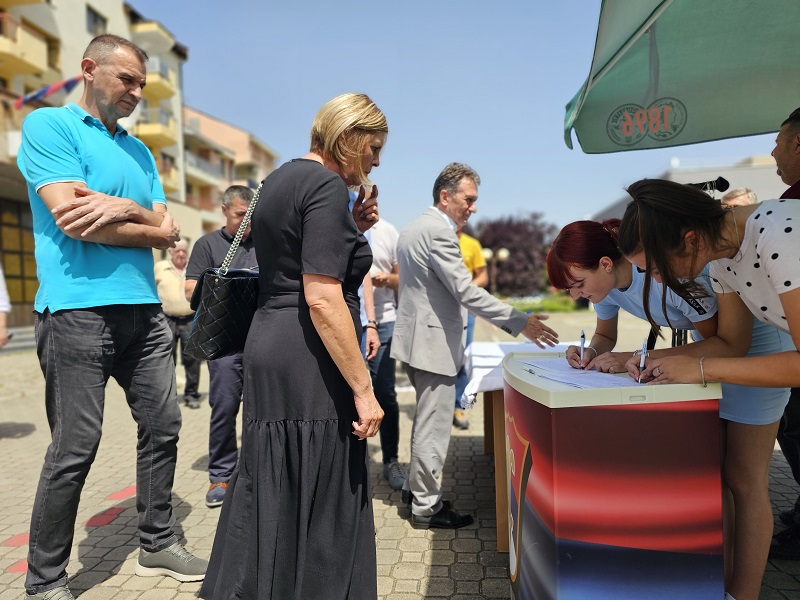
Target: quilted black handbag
(225,302)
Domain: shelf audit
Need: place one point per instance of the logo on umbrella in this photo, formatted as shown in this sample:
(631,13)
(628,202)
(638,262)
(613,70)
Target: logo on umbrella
(662,120)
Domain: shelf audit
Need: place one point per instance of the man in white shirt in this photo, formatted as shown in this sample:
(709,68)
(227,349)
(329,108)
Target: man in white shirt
(170,281)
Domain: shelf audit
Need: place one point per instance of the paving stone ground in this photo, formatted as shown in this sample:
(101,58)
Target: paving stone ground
(412,564)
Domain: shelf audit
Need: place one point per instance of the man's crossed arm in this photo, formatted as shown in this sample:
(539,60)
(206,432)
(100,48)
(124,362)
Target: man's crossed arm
(90,216)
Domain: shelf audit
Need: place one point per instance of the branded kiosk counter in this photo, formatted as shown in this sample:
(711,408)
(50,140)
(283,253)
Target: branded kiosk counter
(614,493)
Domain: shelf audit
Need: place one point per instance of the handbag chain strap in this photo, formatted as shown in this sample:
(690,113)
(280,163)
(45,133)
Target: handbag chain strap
(223,270)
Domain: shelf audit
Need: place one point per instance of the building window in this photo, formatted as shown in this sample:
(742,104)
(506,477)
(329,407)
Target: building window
(16,249)
(96,24)
(53,53)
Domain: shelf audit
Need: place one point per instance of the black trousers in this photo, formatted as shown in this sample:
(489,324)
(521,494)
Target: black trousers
(180,327)
(789,436)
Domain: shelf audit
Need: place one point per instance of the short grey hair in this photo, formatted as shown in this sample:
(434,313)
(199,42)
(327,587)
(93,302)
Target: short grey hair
(450,178)
(103,46)
(242,192)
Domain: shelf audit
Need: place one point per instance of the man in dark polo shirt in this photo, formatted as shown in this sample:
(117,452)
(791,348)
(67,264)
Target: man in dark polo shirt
(786,544)
(225,386)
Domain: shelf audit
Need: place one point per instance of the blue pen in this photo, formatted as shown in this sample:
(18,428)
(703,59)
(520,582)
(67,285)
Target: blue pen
(641,359)
(583,343)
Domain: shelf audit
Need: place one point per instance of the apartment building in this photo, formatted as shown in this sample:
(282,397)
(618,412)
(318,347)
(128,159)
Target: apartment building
(249,160)
(42,43)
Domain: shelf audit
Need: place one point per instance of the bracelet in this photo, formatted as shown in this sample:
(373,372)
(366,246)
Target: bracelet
(702,373)
(638,352)
(373,322)
(590,348)
(371,326)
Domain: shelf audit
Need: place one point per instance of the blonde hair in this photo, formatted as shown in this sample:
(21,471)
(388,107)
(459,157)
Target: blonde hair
(736,192)
(342,129)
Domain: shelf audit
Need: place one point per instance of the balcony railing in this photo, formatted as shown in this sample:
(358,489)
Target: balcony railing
(6,4)
(161,80)
(23,51)
(156,128)
(156,115)
(203,164)
(154,65)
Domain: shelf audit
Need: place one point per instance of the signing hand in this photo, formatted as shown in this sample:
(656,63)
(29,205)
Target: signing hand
(92,210)
(365,211)
(539,333)
(610,362)
(673,369)
(632,367)
(574,357)
(370,415)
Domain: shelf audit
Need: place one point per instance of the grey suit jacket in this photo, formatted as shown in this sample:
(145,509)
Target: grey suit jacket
(434,296)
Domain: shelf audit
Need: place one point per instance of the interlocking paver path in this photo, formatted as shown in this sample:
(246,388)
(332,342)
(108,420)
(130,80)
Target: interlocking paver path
(412,564)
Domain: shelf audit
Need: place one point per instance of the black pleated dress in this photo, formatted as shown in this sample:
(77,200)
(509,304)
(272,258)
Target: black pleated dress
(297,519)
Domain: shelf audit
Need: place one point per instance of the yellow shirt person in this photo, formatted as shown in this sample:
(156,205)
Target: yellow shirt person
(472,253)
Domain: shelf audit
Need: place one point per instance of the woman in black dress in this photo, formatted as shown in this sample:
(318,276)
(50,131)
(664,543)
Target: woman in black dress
(297,519)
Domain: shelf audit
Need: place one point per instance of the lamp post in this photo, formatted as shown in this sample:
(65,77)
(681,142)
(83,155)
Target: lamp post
(493,258)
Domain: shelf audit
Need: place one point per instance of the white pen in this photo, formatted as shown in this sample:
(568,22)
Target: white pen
(583,343)
(641,359)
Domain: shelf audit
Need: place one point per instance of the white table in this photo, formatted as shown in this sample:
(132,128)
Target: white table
(482,361)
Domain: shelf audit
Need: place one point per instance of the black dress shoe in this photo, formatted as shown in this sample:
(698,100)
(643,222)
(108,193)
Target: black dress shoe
(446,518)
(786,544)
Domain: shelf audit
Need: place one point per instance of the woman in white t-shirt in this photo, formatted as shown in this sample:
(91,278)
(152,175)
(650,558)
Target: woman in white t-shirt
(672,232)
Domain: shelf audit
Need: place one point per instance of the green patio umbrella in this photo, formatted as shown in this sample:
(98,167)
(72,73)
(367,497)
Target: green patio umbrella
(675,72)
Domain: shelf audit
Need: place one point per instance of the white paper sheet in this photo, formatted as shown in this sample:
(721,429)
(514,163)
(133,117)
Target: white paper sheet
(561,371)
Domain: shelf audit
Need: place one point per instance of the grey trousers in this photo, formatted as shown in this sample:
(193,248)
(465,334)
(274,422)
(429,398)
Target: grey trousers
(430,438)
(79,350)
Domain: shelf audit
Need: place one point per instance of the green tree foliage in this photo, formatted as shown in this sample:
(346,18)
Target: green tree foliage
(527,238)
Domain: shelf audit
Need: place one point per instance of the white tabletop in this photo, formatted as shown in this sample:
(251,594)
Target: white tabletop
(483,362)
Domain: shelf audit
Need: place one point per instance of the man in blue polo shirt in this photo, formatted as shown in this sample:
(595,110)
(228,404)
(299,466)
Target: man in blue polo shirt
(98,209)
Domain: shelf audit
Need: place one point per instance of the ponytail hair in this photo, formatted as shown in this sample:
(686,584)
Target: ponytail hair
(656,222)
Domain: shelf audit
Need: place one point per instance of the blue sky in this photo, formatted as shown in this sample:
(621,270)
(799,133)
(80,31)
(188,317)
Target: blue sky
(479,82)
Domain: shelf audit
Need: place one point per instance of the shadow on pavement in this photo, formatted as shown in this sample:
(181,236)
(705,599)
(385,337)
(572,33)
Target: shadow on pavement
(201,464)
(16,430)
(112,538)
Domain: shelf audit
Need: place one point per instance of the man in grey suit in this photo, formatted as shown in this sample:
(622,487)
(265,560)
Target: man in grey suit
(434,296)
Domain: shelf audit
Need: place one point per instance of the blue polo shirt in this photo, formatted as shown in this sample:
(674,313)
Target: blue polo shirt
(682,314)
(68,144)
